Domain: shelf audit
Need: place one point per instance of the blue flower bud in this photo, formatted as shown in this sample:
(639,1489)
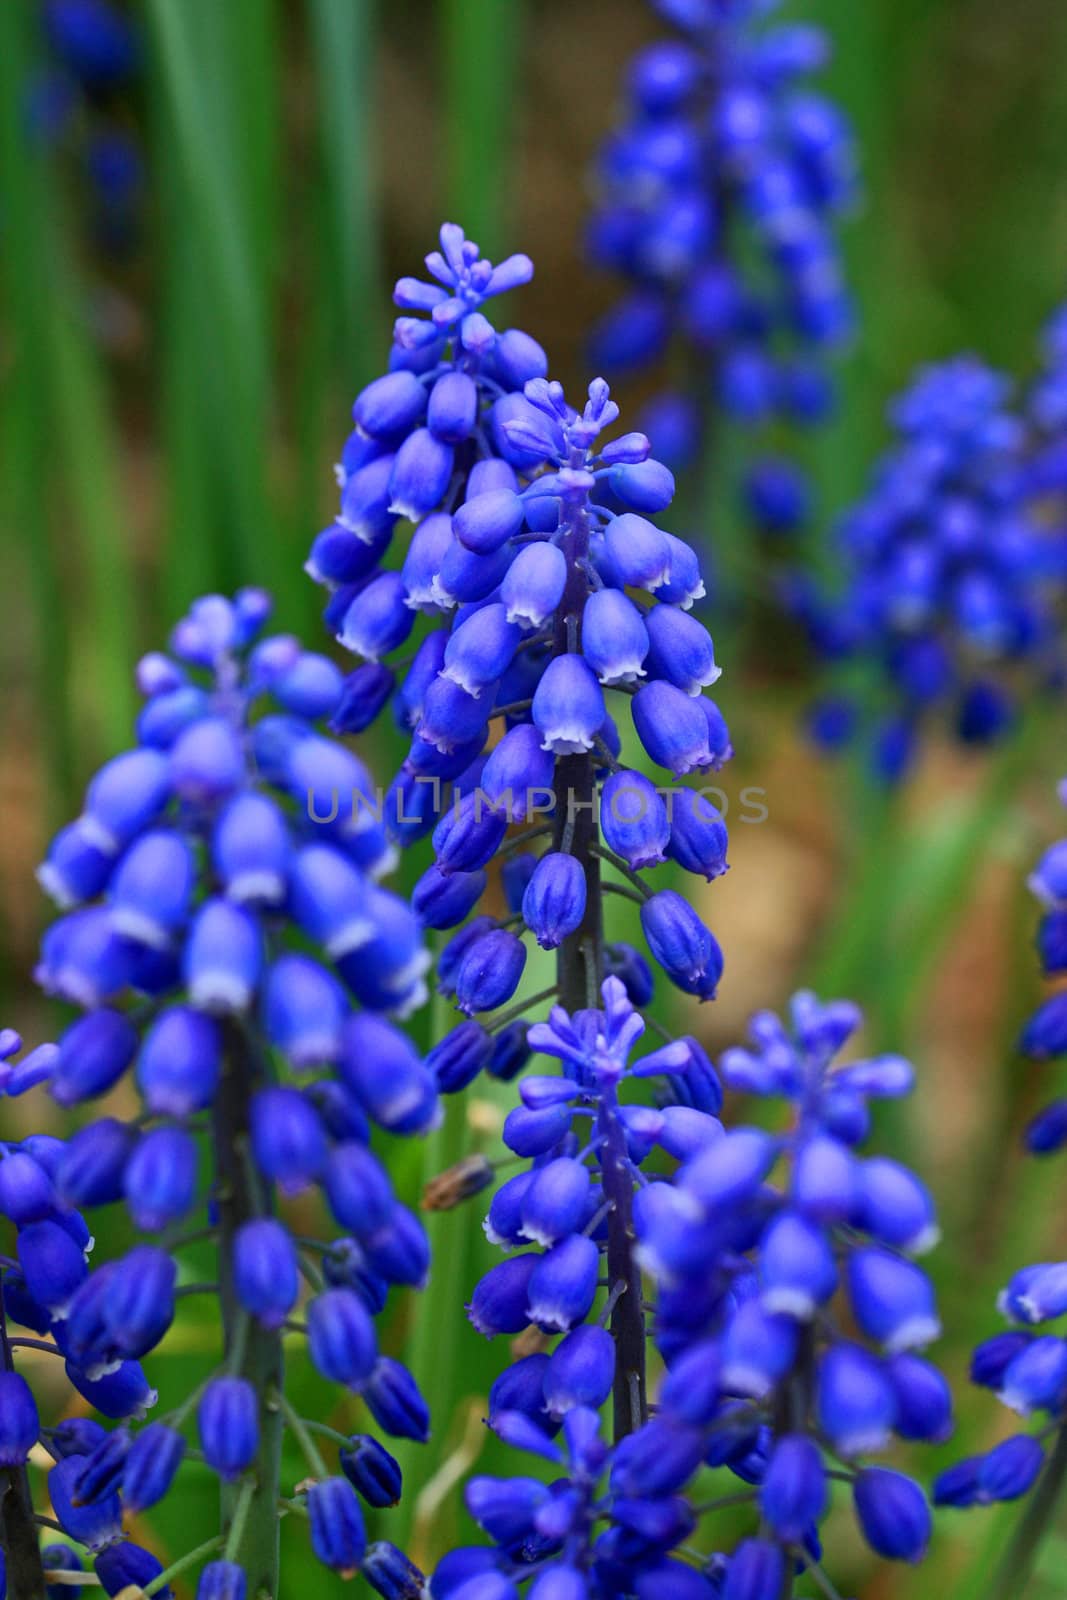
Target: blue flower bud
(658,1459)
(180,1061)
(329,900)
(222,1580)
(338,1537)
(288,1142)
(958,1484)
(53,1265)
(420,474)
(698,836)
(127,793)
(824,1179)
(634,819)
(118,1394)
(19,1425)
(207,762)
(505,1507)
(892,1513)
(27,1193)
(55,1558)
(311,687)
(895,1207)
(341,1337)
(473,1565)
(390,405)
(480,649)
(92,1168)
(794,1490)
(757,1350)
(615,638)
(103,1468)
(377,620)
(1010,1469)
(554,902)
(568,706)
(305,1010)
(124,1566)
(358,1189)
(389,1571)
(453,407)
(460,1056)
(151,889)
(76,868)
(490,972)
(77,1436)
(672,726)
(893,1300)
(393,1398)
(556,1201)
(855,1402)
(469,835)
(500,1299)
(382,1068)
(222,958)
(93,1054)
(139,1307)
(642,485)
(1045,1034)
(487,521)
(265,1270)
(371,1470)
(228,1423)
(563,1283)
(924,1399)
(681,650)
(365,500)
(580,1371)
(533,1133)
(756,1571)
(250,849)
(159,1179)
(533,584)
(796,1266)
(681,944)
(94,1525)
(1035,1378)
(518,774)
(991,1359)
(345,1266)
(445,900)
(1036,1294)
(637,552)
(363,694)
(153,1460)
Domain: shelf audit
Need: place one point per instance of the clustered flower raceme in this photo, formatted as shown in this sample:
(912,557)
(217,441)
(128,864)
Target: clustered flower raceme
(760,1379)
(532,557)
(91,59)
(1027,1370)
(953,570)
(718,201)
(217,939)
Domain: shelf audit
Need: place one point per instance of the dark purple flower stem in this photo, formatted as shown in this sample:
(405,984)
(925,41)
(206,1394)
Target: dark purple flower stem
(21,1545)
(252,1352)
(580,972)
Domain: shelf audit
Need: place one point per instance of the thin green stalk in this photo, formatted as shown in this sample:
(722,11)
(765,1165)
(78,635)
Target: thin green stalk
(190,1559)
(481,51)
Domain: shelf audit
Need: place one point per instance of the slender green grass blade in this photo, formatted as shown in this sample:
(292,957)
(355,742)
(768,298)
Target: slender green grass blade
(482,41)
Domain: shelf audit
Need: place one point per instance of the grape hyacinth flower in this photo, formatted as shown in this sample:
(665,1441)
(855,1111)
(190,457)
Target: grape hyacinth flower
(229,950)
(551,598)
(718,201)
(1025,1364)
(953,572)
(750,1242)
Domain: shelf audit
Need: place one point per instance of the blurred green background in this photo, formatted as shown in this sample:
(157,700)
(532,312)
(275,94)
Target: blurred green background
(168,420)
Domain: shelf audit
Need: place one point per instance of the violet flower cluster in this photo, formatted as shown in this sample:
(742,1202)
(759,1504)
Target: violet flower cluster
(1027,1369)
(547,590)
(953,569)
(719,198)
(757,1244)
(233,955)
(92,55)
